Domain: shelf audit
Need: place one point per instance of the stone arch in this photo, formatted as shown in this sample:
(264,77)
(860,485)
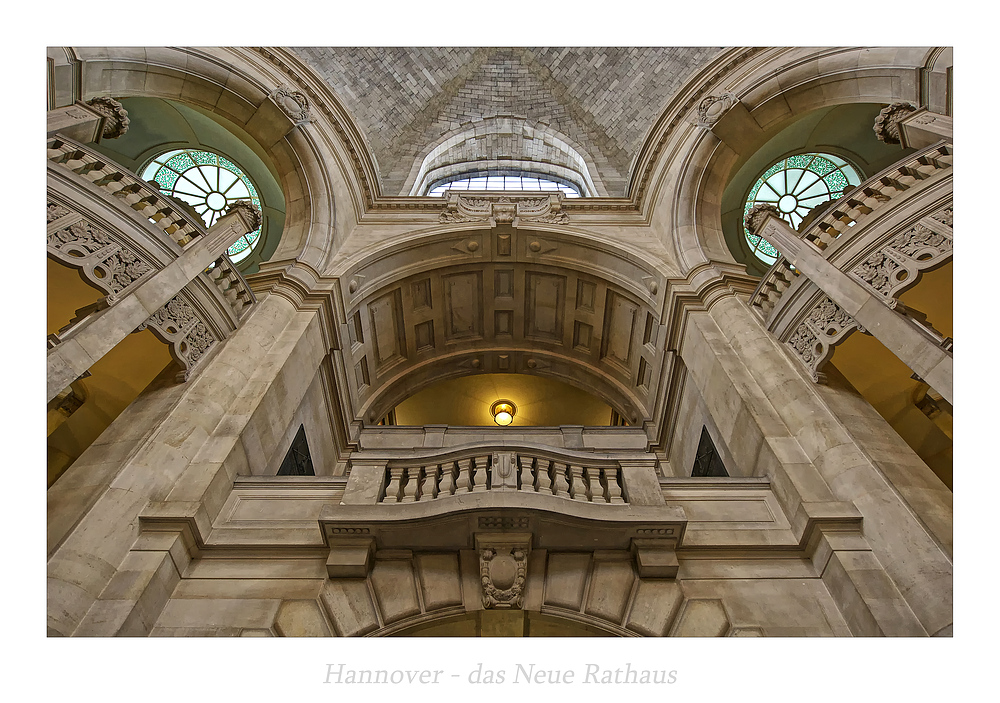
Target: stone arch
(456,152)
(742,106)
(311,148)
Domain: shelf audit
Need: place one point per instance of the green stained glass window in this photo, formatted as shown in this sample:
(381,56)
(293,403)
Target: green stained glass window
(208,182)
(795,185)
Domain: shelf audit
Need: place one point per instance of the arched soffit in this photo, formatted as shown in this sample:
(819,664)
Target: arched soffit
(727,117)
(317,155)
(157,126)
(504,142)
(474,300)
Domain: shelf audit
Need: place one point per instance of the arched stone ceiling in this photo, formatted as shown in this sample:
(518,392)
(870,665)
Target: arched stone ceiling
(604,99)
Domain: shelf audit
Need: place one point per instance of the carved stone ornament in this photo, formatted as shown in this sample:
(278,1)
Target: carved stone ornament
(825,326)
(251,213)
(108,265)
(504,208)
(54,211)
(888,119)
(895,266)
(292,102)
(116,117)
(755,219)
(712,108)
(177,324)
(502,571)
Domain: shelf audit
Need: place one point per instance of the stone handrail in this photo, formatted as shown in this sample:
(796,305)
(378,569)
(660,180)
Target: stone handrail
(850,213)
(590,480)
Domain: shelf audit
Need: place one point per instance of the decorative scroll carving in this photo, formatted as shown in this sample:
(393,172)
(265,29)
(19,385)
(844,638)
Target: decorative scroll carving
(293,103)
(54,211)
(504,209)
(887,122)
(895,266)
(757,216)
(944,216)
(178,325)
(116,117)
(251,214)
(712,108)
(502,572)
(825,326)
(109,266)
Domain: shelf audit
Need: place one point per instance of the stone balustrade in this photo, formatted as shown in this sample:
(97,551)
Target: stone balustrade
(854,215)
(121,233)
(135,193)
(231,285)
(592,481)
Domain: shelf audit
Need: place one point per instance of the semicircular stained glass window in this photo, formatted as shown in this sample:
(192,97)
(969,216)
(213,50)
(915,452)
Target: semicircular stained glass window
(208,182)
(795,185)
(521,182)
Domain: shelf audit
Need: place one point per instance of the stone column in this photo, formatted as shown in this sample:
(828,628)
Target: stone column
(178,452)
(98,334)
(911,343)
(889,576)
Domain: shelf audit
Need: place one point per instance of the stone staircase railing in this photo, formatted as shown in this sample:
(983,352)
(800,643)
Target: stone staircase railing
(852,215)
(171,218)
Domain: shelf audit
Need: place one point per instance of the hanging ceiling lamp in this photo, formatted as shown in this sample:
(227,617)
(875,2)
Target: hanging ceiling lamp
(503,412)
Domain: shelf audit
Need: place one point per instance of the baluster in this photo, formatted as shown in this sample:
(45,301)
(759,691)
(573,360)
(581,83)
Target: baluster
(518,476)
(428,489)
(479,480)
(447,485)
(543,481)
(577,488)
(560,482)
(595,489)
(614,489)
(392,490)
(464,483)
(410,494)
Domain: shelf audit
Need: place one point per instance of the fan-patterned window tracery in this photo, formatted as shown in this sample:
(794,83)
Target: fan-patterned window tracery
(208,182)
(795,185)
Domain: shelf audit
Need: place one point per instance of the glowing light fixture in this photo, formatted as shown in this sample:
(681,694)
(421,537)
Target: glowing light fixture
(503,412)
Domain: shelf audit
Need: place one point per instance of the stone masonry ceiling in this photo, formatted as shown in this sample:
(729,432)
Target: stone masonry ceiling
(602,100)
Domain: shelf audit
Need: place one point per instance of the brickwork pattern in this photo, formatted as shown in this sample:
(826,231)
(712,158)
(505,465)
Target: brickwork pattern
(605,100)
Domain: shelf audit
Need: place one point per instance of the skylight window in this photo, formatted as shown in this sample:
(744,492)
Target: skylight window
(795,185)
(208,182)
(518,183)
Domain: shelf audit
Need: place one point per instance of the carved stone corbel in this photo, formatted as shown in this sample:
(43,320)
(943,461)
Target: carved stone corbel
(503,568)
(825,326)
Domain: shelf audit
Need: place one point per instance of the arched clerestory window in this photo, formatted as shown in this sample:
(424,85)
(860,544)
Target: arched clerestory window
(521,181)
